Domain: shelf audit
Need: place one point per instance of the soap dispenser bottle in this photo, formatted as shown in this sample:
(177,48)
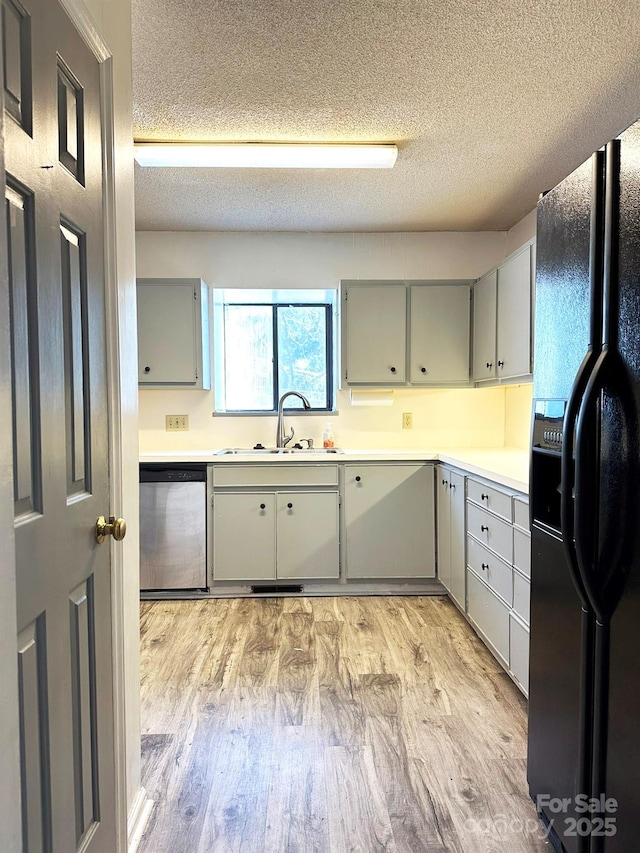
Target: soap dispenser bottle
(328,437)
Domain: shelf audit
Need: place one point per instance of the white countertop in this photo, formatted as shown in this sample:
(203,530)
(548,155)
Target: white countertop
(506,466)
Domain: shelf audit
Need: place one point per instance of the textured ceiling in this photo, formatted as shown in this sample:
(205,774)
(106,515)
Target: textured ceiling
(489,101)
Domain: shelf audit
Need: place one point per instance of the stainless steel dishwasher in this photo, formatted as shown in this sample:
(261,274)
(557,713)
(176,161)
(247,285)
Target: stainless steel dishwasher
(173,526)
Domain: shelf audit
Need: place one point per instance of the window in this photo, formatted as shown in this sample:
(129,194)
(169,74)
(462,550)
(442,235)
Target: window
(268,346)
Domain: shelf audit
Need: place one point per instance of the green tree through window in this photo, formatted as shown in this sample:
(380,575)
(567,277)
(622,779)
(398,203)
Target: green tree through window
(271,349)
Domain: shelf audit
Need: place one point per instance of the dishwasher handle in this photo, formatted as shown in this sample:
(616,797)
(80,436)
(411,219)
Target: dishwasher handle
(188,473)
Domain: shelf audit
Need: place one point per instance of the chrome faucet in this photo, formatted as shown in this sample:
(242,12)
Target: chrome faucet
(281,439)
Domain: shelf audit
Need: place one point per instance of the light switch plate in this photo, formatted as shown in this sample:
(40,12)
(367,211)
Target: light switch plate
(176,423)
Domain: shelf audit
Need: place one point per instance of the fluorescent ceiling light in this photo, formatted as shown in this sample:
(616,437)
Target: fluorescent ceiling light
(258,155)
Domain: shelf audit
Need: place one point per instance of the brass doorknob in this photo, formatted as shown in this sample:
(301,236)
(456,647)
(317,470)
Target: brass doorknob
(116,527)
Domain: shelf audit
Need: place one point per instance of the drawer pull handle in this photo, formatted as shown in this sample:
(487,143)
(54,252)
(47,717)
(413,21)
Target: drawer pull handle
(484,527)
(289,506)
(485,566)
(484,497)
(263,506)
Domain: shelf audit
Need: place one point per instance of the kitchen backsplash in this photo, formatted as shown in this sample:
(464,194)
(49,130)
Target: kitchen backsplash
(482,417)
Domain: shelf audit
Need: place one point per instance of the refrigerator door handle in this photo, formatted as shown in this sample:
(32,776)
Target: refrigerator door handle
(567,514)
(603,569)
(569,477)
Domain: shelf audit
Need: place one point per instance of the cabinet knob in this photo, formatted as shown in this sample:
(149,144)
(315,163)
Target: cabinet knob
(263,506)
(484,527)
(485,566)
(358,478)
(147,369)
(393,370)
(444,483)
(423,370)
(489,364)
(289,506)
(484,497)
(501,364)
(452,485)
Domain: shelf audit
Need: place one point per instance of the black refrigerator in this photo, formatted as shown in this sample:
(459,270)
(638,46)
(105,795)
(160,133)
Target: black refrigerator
(584,700)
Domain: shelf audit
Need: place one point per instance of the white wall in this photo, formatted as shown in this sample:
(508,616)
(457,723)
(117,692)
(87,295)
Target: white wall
(442,418)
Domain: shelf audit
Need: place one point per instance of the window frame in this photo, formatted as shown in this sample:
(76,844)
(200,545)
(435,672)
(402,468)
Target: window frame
(329,356)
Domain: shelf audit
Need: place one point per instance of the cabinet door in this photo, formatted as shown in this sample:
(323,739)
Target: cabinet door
(484,327)
(458,538)
(444,527)
(439,334)
(376,333)
(514,316)
(307,535)
(166,340)
(389,520)
(244,546)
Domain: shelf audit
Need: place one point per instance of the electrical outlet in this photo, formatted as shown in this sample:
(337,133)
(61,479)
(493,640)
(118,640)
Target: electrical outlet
(176,423)
(407,420)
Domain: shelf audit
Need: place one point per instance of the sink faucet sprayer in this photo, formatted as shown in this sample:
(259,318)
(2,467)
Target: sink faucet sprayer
(281,439)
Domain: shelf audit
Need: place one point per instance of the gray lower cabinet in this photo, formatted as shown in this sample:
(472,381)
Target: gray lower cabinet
(490,615)
(307,537)
(389,520)
(244,537)
(498,560)
(451,533)
(261,536)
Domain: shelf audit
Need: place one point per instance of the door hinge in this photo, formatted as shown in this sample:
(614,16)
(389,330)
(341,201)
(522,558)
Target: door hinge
(346,296)
(346,375)
(195,294)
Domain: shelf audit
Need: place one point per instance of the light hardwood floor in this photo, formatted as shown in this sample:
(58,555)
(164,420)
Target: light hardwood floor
(291,725)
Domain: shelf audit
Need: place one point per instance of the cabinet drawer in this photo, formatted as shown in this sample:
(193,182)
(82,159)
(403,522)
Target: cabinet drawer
(521,513)
(489,615)
(493,571)
(521,596)
(491,531)
(522,551)
(231,474)
(519,653)
(489,498)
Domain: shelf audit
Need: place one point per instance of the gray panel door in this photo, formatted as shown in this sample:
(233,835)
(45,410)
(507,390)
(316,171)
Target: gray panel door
(54,232)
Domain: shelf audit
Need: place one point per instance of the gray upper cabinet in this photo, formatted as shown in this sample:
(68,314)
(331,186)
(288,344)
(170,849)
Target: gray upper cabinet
(502,320)
(405,333)
(375,329)
(439,334)
(514,316)
(173,333)
(485,295)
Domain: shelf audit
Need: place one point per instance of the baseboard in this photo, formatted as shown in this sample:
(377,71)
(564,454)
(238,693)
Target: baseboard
(137,820)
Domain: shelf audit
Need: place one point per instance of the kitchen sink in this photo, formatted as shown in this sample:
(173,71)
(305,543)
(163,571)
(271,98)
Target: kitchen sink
(268,451)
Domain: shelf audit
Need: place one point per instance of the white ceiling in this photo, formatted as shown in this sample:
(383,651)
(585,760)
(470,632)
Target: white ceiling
(490,102)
